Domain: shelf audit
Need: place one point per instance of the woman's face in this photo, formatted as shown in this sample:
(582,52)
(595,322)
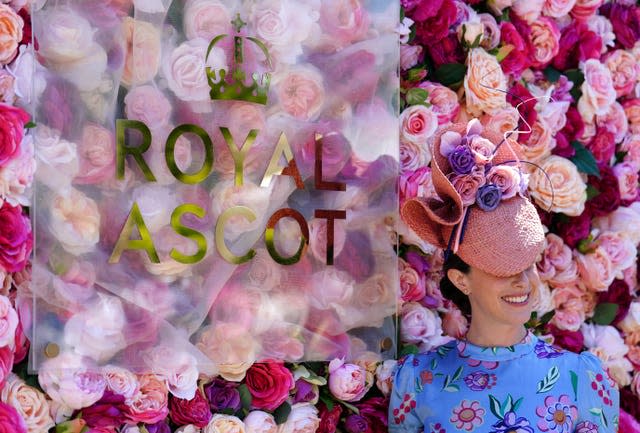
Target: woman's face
(500,300)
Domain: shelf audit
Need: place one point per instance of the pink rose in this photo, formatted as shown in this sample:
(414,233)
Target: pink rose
(15,238)
(602,27)
(528,10)
(347,381)
(544,40)
(121,381)
(569,190)
(150,404)
(491,32)
(481,149)
(410,55)
(303,418)
(8,322)
(631,145)
(300,91)
(596,269)
(506,178)
(584,9)
(7,83)
(467,185)
(557,8)
(345,21)
(417,124)
(318,238)
(10,419)
(569,307)
(30,403)
(443,100)
(455,324)
(598,92)
(11,25)
(231,347)
(519,58)
(624,70)
(75,221)
(177,368)
(483,76)
(143,51)
(413,157)
(148,105)
(411,284)
(258,421)
(555,258)
(620,250)
(602,146)
(206,19)
(624,219)
(97,154)
(6,364)
(330,289)
(501,121)
(627,175)
(632,111)
(269,384)
(12,121)
(416,183)
(419,324)
(615,121)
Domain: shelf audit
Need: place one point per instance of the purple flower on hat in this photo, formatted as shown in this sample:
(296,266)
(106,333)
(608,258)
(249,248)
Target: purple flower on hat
(461,160)
(488,197)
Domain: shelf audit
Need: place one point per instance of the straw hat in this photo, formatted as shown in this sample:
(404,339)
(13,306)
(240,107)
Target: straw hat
(504,241)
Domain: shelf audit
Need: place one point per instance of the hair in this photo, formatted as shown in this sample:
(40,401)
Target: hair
(449,290)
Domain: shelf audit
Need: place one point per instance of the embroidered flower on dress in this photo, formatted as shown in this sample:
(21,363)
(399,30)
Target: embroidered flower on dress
(544,350)
(426,376)
(468,415)
(586,427)
(597,384)
(437,428)
(557,415)
(408,403)
(512,424)
(479,380)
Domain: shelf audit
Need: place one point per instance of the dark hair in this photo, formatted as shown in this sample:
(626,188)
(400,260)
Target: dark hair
(449,290)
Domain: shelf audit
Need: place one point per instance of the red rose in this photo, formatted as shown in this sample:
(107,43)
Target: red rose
(15,237)
(577,44)
(329,418)
(625,22)
(195,411)
(608,199)
(108,412)
(12,121)
(617,293)
(574,229)
(603,145)
(375,410)
(269,384)
(518,58)
(437,25)
(446,50)
(570,340)
(424,10)
(517,95)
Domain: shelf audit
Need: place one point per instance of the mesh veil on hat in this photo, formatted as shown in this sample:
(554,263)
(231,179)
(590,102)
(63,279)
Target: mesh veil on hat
(501,242)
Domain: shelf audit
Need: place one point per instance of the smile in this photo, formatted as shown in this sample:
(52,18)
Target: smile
(517,300)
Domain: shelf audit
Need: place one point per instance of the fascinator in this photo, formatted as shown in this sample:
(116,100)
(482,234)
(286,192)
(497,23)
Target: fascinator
(480,211)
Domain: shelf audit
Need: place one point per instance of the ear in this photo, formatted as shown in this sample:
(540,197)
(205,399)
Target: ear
(460,280)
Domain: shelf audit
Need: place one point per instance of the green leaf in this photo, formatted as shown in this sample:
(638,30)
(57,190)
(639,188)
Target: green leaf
(30,124)
(577,78)
(450,74)
(245,396)
(574,383)
(494,405)
(282,413)
(328,401)
(507,404)
(605,313)
(584,159)
(517,404)
(143,429)
(457,374)
(546,317)
(452,388)
(415,74)
(620,155)
(409,350)
(547,383)
(592,192)
(70,426)
(351,407)
(416,96)
(434,364)
(552,74)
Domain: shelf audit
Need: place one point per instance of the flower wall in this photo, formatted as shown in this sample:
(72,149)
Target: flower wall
(578,58)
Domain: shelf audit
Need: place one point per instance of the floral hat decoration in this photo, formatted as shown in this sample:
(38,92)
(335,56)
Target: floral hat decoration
(481,211)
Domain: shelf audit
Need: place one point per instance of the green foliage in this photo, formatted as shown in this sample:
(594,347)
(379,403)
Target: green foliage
(605,313)
(584,159)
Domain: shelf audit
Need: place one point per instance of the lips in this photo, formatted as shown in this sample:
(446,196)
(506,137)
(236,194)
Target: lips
(516,300)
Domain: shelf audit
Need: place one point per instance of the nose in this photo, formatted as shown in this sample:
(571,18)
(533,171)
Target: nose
(521,280)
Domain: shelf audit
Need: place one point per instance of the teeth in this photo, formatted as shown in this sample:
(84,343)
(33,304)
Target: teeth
(516,299)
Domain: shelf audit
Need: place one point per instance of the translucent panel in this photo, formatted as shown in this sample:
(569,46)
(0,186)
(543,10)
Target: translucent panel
(216,178)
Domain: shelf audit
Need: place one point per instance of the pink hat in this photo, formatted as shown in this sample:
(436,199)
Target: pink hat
(485,218)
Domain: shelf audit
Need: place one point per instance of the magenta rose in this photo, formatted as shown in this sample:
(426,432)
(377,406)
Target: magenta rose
(6,364)
(573,230)
(269,384)
(629,402)
(195,411)
(446,50)
(517,94)
(571,131)
(10,420)
(617,293)
(15,238)
(108,412)
(421,10)
(625,22)
(12,121)
(577,43)
(329,419)
(519,57)
(609,198)
(570,340)
(374,410)
(434,25)
(602,145)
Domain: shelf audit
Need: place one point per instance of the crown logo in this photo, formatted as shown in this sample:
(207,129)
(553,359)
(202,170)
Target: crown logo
(234,86)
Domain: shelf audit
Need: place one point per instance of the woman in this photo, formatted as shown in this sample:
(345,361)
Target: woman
(499,378)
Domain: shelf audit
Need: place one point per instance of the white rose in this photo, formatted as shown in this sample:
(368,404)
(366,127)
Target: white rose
(260,422)
(31,404)
(178,368)
(302,419)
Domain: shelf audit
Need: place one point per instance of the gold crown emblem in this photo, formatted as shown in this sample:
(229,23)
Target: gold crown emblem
(235,87)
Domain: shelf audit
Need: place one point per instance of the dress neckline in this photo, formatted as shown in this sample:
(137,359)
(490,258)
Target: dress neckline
(467,349)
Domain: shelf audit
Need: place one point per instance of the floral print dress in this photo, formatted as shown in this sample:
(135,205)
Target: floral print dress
(526,388)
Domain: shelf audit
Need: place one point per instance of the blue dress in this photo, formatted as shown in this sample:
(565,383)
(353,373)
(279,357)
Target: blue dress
(526,388)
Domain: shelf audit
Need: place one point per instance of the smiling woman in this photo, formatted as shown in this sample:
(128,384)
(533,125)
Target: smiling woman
(499,377)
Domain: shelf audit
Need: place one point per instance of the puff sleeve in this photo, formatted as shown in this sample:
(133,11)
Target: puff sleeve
(403,417)
(598,397)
